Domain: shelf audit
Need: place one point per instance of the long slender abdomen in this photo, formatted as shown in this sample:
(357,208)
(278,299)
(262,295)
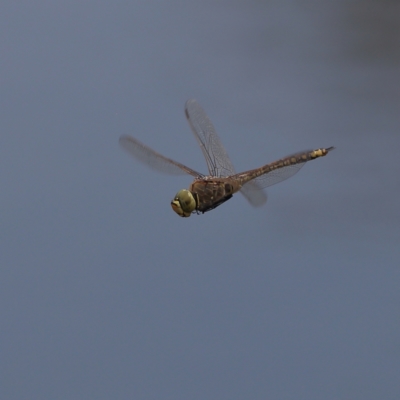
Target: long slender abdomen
(282,169)
(297,158)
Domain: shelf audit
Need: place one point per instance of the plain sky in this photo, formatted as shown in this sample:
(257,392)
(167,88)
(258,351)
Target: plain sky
(105,293)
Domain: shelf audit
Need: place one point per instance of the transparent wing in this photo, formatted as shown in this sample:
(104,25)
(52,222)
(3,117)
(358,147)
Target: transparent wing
(254,194)
(154,160)
(216,157)
(276,176)
(253,190)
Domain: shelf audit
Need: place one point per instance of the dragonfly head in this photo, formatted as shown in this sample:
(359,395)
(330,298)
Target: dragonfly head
(183,203)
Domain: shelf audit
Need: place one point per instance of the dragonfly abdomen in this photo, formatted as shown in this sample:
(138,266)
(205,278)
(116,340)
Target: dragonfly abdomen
(294,159)
(285,167)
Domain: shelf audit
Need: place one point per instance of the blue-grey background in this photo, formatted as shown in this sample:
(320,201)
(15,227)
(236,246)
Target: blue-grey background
(106,294)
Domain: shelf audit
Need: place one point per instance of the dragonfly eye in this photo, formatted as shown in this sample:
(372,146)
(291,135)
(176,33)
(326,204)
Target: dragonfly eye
(183,203)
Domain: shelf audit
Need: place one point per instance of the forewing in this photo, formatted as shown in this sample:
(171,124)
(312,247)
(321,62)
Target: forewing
(152,159)
(216,157)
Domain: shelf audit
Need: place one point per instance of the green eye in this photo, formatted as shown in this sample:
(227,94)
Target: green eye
(184,203)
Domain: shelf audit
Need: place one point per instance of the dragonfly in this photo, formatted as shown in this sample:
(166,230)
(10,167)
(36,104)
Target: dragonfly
(208,192)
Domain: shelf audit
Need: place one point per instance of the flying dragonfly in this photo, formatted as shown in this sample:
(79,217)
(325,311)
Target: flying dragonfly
(210,191)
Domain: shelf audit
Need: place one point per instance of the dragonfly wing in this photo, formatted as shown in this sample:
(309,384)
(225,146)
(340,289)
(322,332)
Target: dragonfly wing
(152,159)
(276,176)
(217,159)
(254,194)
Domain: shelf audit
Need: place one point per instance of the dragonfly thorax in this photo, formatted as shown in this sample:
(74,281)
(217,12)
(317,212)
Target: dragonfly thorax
(184,203)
